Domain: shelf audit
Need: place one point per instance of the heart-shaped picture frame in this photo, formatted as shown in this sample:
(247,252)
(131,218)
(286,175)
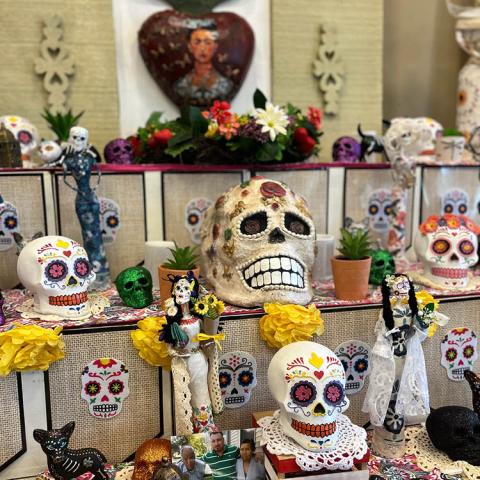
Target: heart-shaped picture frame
(196,59)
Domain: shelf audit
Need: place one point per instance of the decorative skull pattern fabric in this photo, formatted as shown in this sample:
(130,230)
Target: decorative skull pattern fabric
(380,210)
(9,224)
(109,220)
(455,201)
(459,352)
(195,211)
(355,358)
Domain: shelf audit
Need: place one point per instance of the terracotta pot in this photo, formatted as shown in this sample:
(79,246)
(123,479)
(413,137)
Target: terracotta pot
(351,278)
(166,285)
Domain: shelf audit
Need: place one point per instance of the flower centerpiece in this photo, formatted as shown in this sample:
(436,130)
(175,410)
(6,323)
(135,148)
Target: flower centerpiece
(270,133)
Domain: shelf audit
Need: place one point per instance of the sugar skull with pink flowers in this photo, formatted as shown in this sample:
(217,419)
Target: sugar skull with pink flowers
(109,220)
(355,358)
(459,352)
(9,224)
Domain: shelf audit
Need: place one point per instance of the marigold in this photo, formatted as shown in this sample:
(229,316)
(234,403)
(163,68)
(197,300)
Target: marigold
(424,298)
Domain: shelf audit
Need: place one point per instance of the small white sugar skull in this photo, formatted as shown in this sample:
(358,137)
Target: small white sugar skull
(105,387)
(355,358)
(25,132)
(195,211)
(258,245)
(78,138)
(9,224)
(380,210)
(57,271)
(182,290)
(109,220)
(308,382)
(410,136)
(49,151)
(455,201)
(447,248)
(459,352)
(237,374)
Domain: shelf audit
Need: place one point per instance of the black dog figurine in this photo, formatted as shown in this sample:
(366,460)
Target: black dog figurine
(64,463)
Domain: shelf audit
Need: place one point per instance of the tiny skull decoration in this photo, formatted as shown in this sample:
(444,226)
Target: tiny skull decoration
(447,248)
(49,151)
(308,382)
(346,149)
(195,211)
(57,271)
(380,210)
(105,387)
(134,286)
(383,264)
(78,139)
(109,220)
(9,224)
(459,352)
(119,151)
(455,201)
(237,374)
(258,243)
(25,132)
(355,358)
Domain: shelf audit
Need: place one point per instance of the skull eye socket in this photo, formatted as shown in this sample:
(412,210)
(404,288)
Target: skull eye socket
(466,247)
(441,246)
(128,285)
(193,219)
(112,221)
(56,270)
(373,209)
(143,281)
(10,222)
(296,225)
(128,148)
(344,364)
(82,267)
(451,355)
(116,387)
(225,379)
(388,210)
(245,378)
(254,224)
(380,263)
(116,149)
(303,393)
(448,208)
(24,137)
(92,388)
(462,208)
(468,351)
(360,365)
(334,393)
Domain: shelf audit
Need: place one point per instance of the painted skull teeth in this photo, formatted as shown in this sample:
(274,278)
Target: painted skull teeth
(67,300)
(458,373)
(450,272)
(269,273)
(234,400)
(321,430)
(352,385)
(105,408)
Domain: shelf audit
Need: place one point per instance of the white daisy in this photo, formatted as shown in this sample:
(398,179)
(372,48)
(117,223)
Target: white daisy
(272,119)
(172,311)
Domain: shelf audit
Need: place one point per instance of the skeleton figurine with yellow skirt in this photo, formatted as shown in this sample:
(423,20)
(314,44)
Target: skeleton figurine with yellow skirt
(193,347)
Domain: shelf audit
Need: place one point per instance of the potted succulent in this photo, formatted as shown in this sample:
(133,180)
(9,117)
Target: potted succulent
(449,146)
(181,261)
(351,268)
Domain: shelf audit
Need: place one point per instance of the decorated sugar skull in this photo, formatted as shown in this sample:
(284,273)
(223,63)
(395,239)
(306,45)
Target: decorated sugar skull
(459,352)
(455,201)
(447,247)
(411,136)
(380,210)
(105,387)
(119,151)
(25,132)
(134,286)
(182,290)
(237,374)
(308,382)
(78,138)
(346,149)
(49,151)
(9,224)
(258,245)
(195,211)
(109,220)
(57,271)
(383,264)
(355,358)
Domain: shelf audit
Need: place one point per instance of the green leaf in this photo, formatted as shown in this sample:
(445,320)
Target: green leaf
(269,151)
(198,122)
(176,150)
(154,119)
(180,137)
(259,99)
(194,7)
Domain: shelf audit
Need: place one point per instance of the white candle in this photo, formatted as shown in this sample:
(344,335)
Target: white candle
(322,269)
(156,253)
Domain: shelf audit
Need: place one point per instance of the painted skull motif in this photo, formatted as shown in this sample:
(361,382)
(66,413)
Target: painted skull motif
(78,138)
(119,151)
(195,211)
(105,387)
(308,382)
(9,224)
(182,291)
(346,149)
(25,132)
(447,248)
(237,374)
(57,271)
(383,264)
(459,352)
(134,286)
(109,220)
(455,201)
(258,245)
(380,210)
(49,151)
(355,358)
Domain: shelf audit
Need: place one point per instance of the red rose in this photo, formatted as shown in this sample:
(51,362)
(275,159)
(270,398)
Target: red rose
(136,145)
(272,189)
(304,141)
(163,136)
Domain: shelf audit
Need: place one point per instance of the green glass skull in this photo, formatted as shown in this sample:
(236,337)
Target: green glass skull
(382,264)
(134,286)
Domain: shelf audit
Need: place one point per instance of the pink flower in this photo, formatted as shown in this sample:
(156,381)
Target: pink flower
(315,116)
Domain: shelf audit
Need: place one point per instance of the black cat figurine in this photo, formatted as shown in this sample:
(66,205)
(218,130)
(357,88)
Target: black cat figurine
(64,463)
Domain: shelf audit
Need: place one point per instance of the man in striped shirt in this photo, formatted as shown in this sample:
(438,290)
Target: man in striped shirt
(222,459)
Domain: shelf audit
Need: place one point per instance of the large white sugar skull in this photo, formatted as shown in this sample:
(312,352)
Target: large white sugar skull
(57,271)
(447,247)
(9,224)
(25,132)
(237,375)
(195,211)
(355,358)
(459,352)
(258,245)
(455,201)
(105,387)
(380,210)
(78,138)
(308,382)
(109,220)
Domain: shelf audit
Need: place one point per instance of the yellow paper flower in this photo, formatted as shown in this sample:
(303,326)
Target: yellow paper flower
(146,340)
(424,298)
(432,329)
(212,129)
(210,299)
(220,307)
(284,324)
(29,347)
(201,307)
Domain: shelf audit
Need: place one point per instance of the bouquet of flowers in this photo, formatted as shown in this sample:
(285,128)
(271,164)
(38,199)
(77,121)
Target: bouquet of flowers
(270,133)
(209,307)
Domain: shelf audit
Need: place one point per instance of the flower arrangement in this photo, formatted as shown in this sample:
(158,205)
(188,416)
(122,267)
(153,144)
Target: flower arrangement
(428,316)
(209,307)
(270,133)
(448,220)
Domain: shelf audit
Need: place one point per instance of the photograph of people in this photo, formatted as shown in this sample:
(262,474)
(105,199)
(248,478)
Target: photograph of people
(222,459)
(248,467)
(190,466)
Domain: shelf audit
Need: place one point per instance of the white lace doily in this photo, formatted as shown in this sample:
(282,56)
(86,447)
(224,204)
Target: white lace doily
(351,445)
(125,473)
(97,303)
(428,457)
